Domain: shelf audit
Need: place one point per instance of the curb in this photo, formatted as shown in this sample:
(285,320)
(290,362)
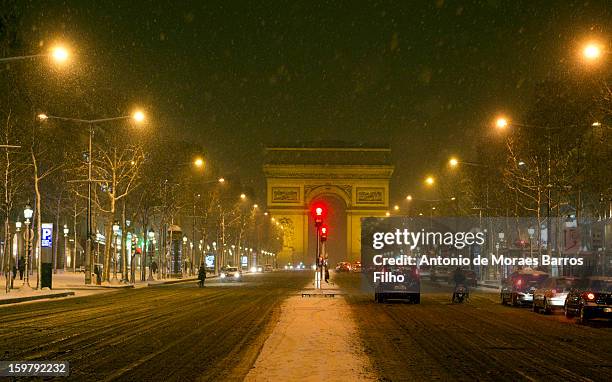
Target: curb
(33,298)
(93,287)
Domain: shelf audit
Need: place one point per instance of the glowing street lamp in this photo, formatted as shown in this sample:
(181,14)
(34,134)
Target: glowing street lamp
(198,162)
(501,123)
(396,207)
(592,51)
(409,197)
(430,181)
(453,162)
(59,54)
(243,196)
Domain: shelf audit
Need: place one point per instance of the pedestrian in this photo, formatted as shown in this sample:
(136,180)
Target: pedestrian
(21,267)
(13,271)
(98,274)
(201,275)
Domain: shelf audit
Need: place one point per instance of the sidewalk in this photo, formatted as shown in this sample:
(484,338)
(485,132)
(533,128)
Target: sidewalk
(315,339)
(72,284)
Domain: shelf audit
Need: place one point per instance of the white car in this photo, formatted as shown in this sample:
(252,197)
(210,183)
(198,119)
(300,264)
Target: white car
(230,274)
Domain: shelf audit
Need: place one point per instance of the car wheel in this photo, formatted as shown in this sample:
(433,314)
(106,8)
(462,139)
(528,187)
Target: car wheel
(583,317)
(547,309)
(567,312)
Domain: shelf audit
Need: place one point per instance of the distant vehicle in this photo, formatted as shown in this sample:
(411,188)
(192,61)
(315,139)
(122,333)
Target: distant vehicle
(230,274)
(256,269)
(471,280)
(592,298)
(552,293)
(288,267)
(409,289)
(440,274)
(300,267)
(356,267)
(518,288)
(343,267)
(268,268)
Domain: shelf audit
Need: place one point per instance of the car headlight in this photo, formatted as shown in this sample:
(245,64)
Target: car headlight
(237,274)
(222,275)
(253,269)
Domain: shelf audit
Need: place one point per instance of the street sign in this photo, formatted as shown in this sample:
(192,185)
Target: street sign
(46,237)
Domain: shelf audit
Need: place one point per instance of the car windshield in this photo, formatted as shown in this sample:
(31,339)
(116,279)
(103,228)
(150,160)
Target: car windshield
(601,285)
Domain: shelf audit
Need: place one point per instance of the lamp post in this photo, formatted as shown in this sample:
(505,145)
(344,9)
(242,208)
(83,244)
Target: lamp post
(27,214)
(151,235)
(66,231)
(115,238)
(531,232)
(138,117)
(184,267)
(59,54)
(17,246)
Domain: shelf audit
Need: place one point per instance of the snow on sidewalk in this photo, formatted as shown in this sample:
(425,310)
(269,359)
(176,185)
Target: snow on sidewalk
(316,339)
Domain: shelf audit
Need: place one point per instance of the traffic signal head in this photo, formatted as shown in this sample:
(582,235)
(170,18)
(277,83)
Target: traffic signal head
(324,231)
(318,211)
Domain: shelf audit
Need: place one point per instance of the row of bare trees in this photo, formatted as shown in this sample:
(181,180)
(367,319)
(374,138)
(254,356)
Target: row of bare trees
(555,160)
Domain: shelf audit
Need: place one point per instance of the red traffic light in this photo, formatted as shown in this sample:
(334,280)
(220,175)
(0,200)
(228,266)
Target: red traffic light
(324,231)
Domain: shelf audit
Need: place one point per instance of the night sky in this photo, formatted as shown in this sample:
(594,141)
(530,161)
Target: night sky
(424,77)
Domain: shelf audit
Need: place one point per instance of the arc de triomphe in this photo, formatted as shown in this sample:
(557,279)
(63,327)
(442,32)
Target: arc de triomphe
(358,178)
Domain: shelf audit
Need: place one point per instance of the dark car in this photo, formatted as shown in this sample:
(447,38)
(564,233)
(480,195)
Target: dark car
(518,288)
(471,280)
(552,293)
(390,289)
(592,298)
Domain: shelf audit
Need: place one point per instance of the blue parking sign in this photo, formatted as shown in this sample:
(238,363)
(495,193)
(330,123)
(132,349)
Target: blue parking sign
(46,237)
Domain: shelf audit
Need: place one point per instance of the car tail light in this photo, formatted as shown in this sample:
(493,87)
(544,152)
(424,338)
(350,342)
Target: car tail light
(590,296)
(554,291)
(519,282)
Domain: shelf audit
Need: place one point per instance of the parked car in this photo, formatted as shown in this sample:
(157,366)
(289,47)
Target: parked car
(592,298)
(229,273)
(552,293)
(518,288)
(268,268)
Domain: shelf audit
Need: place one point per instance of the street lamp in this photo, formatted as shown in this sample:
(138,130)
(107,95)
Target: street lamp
(430,181)
(27,214)
(531,232)
(115,239)
(138,116)
(501,123)
(57,53)
(66,258)
(592,51)
(198,162)
(453,162)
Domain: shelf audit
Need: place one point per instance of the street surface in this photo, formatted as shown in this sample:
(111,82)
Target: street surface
(177,332)
(481,340)
(180,332)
